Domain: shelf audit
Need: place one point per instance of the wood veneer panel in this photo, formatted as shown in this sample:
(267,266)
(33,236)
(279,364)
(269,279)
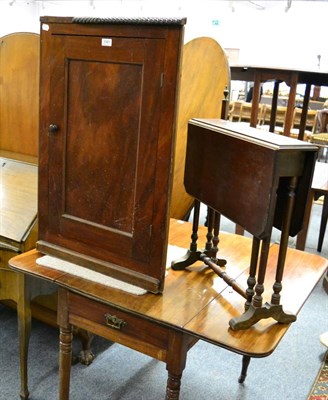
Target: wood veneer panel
(19,93)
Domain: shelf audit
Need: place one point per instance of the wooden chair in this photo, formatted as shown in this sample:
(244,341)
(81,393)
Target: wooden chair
(321,140)
(322,120)
(205,75)
(245,112)
(280,117)
(311,118)
(235,110)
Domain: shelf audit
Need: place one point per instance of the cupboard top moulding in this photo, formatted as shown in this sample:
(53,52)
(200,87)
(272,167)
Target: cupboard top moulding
(108,90)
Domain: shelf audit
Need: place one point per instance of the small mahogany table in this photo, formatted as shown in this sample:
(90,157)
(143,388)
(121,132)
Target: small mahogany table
(194,305)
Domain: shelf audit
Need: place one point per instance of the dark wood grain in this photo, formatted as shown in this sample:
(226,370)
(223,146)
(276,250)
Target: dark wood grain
(106,170)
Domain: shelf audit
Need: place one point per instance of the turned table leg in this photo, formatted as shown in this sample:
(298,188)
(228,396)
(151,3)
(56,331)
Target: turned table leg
(173,386)
(65,344)
(179,344)
(65,360)
(244,368)
(24,331)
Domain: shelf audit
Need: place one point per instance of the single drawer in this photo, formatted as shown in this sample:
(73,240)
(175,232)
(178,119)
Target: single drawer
(119,326)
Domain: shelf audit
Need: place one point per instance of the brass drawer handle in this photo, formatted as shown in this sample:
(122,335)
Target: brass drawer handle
(114,322)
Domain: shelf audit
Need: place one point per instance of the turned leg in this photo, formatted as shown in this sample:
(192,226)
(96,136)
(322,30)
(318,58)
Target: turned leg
(259,288)
(275,299)
(173,386)
(244,368)
(254,311)
(65,344)
(195,224)
(210,226)
(179,344)
(65,357)
(251,281)
(24,331)
(192,254)
(216,231)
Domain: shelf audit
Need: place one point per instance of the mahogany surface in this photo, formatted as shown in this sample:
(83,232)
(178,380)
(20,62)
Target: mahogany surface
(195,304)
(108,95)
(259,180)
(237,170)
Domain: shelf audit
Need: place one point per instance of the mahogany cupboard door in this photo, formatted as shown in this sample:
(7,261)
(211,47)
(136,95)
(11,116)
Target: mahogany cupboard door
(106,137)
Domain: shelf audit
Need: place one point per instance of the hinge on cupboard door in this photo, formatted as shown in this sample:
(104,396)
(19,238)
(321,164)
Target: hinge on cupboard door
(162,79)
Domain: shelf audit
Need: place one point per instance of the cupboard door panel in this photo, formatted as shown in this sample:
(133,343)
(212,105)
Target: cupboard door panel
(107,147)
(100,186)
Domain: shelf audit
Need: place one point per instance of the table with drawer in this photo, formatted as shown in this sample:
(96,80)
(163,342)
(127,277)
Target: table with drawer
(195,305)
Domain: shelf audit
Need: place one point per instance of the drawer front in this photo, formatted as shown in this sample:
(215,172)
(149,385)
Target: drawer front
(119,326)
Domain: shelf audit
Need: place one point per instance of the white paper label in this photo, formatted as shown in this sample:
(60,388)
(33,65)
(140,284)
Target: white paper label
(106,42)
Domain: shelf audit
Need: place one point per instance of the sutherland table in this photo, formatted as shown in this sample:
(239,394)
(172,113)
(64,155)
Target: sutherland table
(196,304)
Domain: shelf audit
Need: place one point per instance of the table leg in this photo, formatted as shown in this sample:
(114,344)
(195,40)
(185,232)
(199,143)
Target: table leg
(291,103)
(244,368)
(179,344)
(173,386)
(305,107)
(65,344)
(301,237)
(65,360)
(274,105)
(323,224)
(24,330)
(255,101)
(251,281)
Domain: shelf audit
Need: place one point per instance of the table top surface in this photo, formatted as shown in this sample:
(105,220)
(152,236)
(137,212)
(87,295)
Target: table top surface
(246,72)
(196,300)
(256,136)
(18,198)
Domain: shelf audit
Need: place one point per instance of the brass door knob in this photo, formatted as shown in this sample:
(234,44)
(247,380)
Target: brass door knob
(53,129)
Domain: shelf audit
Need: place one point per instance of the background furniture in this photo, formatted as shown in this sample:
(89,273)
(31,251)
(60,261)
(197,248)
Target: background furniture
(194,306)
(319,187)
(19,132)
(19,121)
(205,75)
(19,96)
(292,77)
(321,140)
